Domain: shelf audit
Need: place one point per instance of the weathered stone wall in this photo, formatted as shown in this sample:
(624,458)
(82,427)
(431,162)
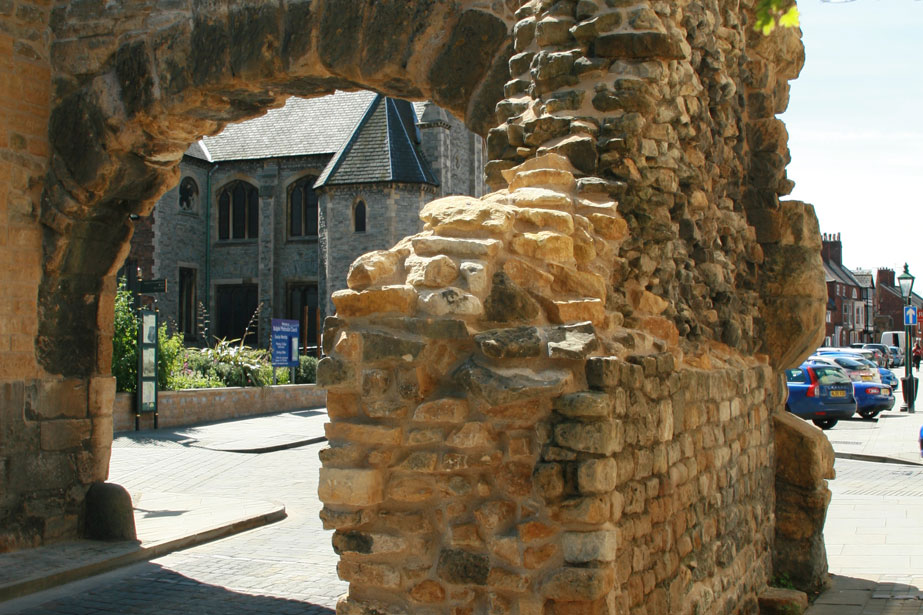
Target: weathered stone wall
(495,448)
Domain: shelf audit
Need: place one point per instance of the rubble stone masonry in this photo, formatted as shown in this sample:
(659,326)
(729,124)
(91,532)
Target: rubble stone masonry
(562,397)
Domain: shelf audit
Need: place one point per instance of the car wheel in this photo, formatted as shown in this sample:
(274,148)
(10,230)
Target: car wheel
(868,414)
(825,423)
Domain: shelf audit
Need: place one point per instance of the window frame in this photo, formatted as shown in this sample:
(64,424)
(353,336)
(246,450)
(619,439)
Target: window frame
(306,185)
(234,214)
(365,216)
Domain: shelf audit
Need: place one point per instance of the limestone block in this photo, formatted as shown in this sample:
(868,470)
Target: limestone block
(804,455)
(382,346)
(332,372)
(597,475)
(405,487)
(432,328)
(601,437)
(576,310)
(549,480)
(101,397)
(352,487)
(368,573)
(544,246)
(583,547)
(66,399)
(475,274)
(368,543)
(472,435)
(528,276)
(544,178)
(571,280)
(542,198)
(348,605)
(364,434)
(461,215)
(430,272)
(509,302)
(575,341)
(507,580)
(609,227)
(503,386)
(64,434)
(584,404)
(517,342)
(428,592)
(462,248)
(495,515)
(578,584)
(342,405)
(593,509)
(372,268)
(559,221)
(401,299)
(446,410)
(781,601)
(449,301)
(660,327)
(461,567)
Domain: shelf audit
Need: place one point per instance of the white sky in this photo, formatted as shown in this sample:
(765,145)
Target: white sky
(855,124)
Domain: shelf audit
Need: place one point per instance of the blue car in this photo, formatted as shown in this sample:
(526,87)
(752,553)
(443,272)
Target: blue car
(888,377)
(872,398)
(820,393)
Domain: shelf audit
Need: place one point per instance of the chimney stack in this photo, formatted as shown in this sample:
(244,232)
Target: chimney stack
(832,250)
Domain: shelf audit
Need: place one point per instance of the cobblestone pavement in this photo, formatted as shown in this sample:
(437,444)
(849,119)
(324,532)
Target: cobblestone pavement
(285,567)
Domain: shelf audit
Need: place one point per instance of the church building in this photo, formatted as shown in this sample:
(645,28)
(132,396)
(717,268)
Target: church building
(272,211)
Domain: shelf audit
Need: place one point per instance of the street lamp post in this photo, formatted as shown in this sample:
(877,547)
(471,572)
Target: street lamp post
(905,281)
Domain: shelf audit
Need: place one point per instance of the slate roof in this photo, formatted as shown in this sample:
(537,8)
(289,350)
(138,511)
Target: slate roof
(865,278)
(303,127)
(383,148)
(371,138)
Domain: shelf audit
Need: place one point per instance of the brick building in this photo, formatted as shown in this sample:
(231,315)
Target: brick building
(890,315)
(847,297)
(273,211)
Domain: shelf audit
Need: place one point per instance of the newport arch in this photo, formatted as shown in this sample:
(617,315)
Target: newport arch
(640,141)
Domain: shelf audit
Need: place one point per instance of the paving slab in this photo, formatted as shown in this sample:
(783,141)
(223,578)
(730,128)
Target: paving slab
(167,521)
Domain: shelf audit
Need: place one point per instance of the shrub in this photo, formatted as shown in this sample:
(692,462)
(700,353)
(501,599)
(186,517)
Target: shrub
(125,342)
(306,372)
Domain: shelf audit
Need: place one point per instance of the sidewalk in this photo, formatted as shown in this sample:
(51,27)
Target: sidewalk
(167,521)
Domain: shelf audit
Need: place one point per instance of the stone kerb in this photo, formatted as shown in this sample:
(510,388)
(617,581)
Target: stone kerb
(487,451)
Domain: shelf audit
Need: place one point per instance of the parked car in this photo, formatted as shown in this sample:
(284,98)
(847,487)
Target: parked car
(856,370)
(894,338)
(888,377)
(866,353)
(872,398)
(885,353)
(820,393)
(897,357)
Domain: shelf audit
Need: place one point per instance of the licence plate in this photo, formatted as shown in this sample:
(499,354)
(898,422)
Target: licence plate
(868,378)
(837,393)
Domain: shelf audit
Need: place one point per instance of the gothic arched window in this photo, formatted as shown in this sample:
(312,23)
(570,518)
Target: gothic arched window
(188,195)
(359,217)
(302,208)
(238,211)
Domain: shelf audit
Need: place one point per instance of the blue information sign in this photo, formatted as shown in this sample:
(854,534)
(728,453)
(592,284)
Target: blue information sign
(910,315)
(284,342)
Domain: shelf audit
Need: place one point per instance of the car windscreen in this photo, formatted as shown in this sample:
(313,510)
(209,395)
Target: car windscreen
(848,363)
(830,375)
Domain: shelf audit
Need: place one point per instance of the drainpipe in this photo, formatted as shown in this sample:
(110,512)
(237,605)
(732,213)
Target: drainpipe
(208,243)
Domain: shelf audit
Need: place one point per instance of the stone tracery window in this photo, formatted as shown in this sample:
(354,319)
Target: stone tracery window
(238,211)
(188,195)
(302,208)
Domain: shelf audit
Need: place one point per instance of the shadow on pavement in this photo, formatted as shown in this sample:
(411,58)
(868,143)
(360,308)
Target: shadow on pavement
(854,595)
(152,589)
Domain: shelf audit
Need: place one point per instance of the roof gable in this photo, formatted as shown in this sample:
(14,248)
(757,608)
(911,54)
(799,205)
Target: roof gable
(382,148)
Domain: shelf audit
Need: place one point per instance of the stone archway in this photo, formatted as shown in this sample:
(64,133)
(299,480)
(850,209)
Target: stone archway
(641,250)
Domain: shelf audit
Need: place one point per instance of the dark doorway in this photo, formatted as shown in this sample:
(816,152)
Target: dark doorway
(236,305)
(302,306)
